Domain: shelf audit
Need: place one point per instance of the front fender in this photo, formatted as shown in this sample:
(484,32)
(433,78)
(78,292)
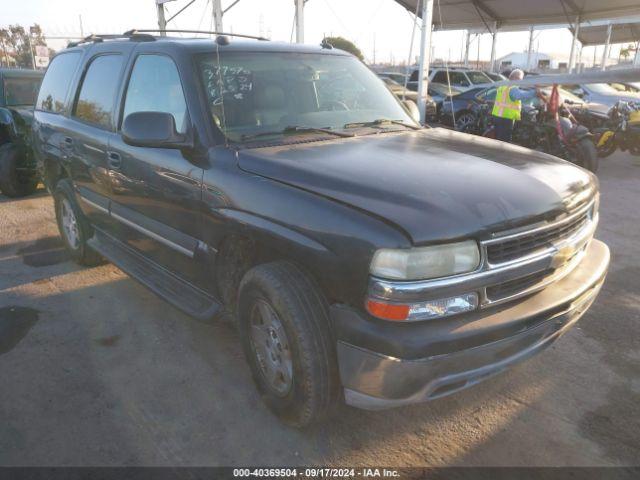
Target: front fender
(8,129)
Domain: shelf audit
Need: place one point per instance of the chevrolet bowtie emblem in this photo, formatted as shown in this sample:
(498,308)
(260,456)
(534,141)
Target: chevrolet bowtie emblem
(563,256)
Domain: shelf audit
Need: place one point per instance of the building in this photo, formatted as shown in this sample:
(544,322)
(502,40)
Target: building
(537,62)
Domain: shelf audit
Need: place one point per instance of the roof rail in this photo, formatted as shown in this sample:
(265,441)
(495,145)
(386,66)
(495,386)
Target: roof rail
(97,38)
(136,31)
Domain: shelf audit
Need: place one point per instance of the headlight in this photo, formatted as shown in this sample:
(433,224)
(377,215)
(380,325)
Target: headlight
(426,262)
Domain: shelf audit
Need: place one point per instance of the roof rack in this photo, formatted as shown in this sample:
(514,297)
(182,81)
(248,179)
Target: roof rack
(136,31)
(97,38)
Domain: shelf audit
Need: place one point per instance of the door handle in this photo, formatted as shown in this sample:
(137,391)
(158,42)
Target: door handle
(68,141)
(115,162)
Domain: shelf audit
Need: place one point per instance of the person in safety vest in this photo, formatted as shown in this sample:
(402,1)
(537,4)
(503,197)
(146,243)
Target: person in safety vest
(507,106)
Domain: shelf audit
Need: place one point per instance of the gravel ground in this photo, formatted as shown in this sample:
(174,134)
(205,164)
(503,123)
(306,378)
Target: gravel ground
(96,370)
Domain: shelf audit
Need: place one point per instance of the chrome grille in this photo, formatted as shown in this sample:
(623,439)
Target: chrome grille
(513,287)
(541,244)
(521,246)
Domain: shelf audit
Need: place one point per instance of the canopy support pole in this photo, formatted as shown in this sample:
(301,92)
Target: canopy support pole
(574,42)
(636,57)
(217,15)
(425,52)
(607,46)
(579,63)
(494,39)
(299,21)
(466,48)
(530,49)
(162,23)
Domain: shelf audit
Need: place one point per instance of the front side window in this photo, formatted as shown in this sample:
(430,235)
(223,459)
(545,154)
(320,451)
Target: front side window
(98,91)
(250,93)
(21,91)
(155,86)
(55,85)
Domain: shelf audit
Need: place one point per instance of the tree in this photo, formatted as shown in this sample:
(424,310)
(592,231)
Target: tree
(344,44)
(15,43)
(626,52)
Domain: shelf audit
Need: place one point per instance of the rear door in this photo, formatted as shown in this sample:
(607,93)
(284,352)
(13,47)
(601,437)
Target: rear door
(51,125)
(157,191)
(93,123)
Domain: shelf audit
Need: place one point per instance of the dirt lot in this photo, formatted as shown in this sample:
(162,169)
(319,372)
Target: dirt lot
(96,370)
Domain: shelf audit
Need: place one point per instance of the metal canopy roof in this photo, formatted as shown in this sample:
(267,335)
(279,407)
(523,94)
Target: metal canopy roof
(620,33)
(471,14)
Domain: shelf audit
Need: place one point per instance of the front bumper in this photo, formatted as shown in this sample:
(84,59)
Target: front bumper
(459,352)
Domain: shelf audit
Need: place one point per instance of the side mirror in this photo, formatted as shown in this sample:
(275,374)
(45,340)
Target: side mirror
(154,130)
(412,108)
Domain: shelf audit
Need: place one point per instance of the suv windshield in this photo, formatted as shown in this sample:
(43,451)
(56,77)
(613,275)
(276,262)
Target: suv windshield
(21,91)
(253,94)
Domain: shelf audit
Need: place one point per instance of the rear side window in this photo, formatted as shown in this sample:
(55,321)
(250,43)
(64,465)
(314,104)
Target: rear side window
(155,86)
(98,90)
(54,88)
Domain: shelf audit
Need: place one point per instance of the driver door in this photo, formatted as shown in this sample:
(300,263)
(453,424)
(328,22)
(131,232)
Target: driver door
(156,192)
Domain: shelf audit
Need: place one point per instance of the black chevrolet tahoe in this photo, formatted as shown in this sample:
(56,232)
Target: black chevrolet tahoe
(364,258)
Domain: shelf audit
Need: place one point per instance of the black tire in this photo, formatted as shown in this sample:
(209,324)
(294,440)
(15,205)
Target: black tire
(304,316)
(587,155)
(14,183)
(465,121)
(81,253)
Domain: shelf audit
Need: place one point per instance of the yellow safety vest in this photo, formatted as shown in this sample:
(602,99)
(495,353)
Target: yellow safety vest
(504,107)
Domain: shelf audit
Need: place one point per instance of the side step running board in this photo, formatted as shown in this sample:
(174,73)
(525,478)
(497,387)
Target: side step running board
(159,280)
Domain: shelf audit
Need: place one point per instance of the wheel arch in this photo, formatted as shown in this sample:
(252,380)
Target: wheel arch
(256,240)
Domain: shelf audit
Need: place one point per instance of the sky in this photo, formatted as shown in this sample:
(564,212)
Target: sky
(380,26)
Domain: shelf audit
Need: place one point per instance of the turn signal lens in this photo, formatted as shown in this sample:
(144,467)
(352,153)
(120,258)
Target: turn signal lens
(387,311)
(428,310)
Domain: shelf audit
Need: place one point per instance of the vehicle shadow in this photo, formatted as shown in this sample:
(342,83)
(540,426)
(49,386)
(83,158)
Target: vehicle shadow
(129,379)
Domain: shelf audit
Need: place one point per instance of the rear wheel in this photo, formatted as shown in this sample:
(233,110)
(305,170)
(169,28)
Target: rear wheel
(13,181)
(284,327)
(74,228)
(587,155)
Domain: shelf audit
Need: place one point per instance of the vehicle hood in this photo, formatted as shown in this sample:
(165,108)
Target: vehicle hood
(434,184)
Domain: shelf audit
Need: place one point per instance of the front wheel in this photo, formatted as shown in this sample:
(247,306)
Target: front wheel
(284,329)
(586,154)
(13,181)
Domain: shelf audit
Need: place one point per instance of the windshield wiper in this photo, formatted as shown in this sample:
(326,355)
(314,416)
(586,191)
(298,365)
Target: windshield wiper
(381,121)
(293,129)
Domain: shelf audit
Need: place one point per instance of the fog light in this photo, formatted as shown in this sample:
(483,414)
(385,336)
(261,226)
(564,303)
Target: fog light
(439,308)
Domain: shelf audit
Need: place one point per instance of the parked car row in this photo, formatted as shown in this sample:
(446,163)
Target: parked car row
(285,188)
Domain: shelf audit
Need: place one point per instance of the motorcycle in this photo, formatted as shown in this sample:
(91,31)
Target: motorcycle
(551,128)
(621,130)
